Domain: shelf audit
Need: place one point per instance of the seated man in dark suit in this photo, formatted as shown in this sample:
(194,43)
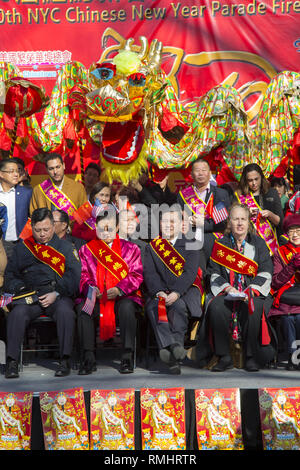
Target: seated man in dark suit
(174,285)
(44,267)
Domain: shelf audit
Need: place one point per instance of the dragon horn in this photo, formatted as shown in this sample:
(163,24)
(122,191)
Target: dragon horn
(155,54)
(144,48)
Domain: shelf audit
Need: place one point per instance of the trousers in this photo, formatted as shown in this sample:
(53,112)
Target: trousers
(126,311)
(219,314)
(174,330)
(20,317)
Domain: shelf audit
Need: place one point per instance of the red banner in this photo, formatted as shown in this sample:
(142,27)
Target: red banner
(280,418)
(112,419)
(64,420)
(205,43)
(15,418)
(163,419)
(218,419)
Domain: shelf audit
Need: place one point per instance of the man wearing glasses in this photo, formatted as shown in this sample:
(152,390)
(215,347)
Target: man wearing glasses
(111,268)
(16,199)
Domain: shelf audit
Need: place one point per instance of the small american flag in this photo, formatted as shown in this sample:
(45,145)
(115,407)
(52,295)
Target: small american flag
(97,208)
(5,299)
(219,213)
(90,301)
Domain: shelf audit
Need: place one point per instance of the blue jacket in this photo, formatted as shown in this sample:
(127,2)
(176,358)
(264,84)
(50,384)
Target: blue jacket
(22,197)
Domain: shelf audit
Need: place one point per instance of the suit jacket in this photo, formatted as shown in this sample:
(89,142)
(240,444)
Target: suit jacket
(219,195)
(25,271)
(22,202)
(158,276)
(255,249)
(74,190)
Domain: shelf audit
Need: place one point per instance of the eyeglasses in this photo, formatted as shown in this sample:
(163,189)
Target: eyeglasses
(294,231)
(11,171)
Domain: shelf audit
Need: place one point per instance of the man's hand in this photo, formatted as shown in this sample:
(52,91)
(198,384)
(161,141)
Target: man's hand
(112,293)
(161,293)
(47,299)
(171,298)
(98,293)
(197,220)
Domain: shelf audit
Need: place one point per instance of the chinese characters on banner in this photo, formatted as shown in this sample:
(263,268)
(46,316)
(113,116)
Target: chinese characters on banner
(112,419)
(64,420)
(280,418)
(15,420)
(218,419)
(163,419)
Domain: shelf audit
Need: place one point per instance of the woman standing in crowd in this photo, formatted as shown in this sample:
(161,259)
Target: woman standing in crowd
(264,204)
(286,287)
(281,187)
(240,273)
(85,221)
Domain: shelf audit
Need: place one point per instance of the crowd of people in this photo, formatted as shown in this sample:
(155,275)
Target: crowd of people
(225,260)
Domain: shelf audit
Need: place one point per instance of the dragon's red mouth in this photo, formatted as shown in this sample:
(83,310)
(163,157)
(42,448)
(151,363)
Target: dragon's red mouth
(123,141)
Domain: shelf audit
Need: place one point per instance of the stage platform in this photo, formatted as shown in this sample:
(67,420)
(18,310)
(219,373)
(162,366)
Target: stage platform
(38,376)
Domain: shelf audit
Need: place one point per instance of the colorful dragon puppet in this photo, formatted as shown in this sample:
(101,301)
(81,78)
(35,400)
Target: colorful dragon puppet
(125,110)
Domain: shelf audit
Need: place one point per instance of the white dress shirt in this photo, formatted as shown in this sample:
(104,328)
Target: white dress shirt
(8,198)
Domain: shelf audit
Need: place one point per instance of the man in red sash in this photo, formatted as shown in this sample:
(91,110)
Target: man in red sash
(286,287)
(170,273)
(240,273)
(43,275)
(198,197)
(112,274)
(58,191)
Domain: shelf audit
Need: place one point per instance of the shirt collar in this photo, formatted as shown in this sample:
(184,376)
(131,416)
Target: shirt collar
(9,191)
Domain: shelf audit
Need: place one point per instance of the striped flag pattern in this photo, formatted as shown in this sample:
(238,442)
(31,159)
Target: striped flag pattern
(90,301)
(219,213)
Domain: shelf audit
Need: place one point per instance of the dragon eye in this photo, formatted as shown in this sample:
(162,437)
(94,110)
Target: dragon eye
(106,72)
(137,79)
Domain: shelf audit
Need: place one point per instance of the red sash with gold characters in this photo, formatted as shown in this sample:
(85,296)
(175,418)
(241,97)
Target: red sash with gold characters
(233,260)
(108,259)
(286,253)
(111,269)
(47,255)
(57,197)
(261,225)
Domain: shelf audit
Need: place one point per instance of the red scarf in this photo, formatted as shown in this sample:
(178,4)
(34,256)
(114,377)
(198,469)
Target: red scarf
(106,280)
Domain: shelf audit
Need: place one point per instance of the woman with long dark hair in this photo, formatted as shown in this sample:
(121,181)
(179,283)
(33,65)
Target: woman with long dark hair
(264,204)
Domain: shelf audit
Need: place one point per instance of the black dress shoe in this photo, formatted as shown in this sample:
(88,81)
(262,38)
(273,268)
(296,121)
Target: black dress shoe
(175,368)
(89,364)
(178,351)
(224,363)
(64,369)
(126,366)
(87,368)
(251,365)
(165,355)
(12,370)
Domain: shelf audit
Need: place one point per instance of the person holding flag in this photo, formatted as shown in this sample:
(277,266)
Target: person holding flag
(85,217)
(43,276)
(112,274)
(203,197)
